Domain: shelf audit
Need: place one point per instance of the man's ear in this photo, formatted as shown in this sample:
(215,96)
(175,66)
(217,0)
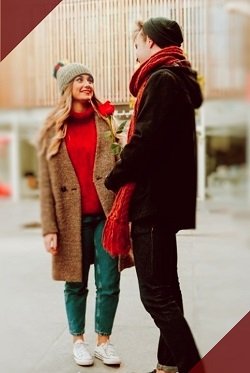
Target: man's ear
(150,42)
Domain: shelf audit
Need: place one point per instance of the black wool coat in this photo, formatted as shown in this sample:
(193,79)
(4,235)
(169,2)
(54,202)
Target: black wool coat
(161,157)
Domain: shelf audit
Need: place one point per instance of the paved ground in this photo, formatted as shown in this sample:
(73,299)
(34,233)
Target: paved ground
(214,274)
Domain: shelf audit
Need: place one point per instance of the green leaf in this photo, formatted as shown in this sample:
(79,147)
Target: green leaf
(121,126)
(116,148)
(108,134)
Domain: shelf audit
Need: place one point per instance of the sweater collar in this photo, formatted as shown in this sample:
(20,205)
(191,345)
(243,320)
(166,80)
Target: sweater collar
(81,116)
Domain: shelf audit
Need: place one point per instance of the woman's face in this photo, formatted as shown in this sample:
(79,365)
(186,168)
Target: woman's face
(83,88)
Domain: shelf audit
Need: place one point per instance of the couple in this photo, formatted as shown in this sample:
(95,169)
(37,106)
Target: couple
(88,197)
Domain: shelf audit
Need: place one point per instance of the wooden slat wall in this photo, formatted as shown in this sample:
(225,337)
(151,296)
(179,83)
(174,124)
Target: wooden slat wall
(98,33)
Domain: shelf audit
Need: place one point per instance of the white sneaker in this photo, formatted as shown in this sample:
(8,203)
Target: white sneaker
(107,354)
(81,354)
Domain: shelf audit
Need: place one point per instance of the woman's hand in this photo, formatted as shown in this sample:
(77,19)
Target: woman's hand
(50,242)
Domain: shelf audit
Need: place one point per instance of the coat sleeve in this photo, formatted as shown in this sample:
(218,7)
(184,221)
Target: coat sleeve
(154,111)
(47,202)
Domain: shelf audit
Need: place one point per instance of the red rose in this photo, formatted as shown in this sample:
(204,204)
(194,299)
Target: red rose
(106,109)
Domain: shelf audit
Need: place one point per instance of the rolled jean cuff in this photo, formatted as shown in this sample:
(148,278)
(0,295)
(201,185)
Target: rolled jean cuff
(77,334)
(103,333)
(167,368)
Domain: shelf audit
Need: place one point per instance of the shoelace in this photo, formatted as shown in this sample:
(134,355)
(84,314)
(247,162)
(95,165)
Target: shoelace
(109,349)
(81,349)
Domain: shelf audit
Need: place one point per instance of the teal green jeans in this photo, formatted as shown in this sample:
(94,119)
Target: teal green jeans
(107,282)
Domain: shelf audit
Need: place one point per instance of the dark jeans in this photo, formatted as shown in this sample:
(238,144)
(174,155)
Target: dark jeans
(155,255)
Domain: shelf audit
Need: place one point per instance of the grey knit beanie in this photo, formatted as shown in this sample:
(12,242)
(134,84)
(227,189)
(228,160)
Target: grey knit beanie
(163,31)
(65,73)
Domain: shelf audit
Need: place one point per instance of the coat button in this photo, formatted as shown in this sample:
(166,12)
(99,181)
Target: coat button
(64,189)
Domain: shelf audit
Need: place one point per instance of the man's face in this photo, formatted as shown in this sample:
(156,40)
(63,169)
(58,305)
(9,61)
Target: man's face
(142,47)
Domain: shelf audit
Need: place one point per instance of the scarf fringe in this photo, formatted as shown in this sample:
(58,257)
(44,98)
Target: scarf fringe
(116,233)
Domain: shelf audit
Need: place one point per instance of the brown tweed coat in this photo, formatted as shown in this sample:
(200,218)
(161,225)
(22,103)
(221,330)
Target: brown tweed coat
(61,204)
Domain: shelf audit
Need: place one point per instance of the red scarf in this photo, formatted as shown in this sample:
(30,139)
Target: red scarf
(116,235)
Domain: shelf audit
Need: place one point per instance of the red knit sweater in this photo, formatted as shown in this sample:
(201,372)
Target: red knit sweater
(81,145)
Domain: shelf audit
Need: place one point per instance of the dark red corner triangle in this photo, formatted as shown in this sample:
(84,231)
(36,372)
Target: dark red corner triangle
(231,354)
(18,18)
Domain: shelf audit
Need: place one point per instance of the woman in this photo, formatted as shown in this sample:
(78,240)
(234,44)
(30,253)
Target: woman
(75,156)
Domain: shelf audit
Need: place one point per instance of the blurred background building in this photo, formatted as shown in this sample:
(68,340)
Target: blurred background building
(98,33)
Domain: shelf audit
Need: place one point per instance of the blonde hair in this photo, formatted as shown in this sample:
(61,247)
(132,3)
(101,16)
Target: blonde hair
(56,125)
(139,29)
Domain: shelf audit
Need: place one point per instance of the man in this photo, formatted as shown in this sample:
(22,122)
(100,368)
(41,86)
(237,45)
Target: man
(157,176)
